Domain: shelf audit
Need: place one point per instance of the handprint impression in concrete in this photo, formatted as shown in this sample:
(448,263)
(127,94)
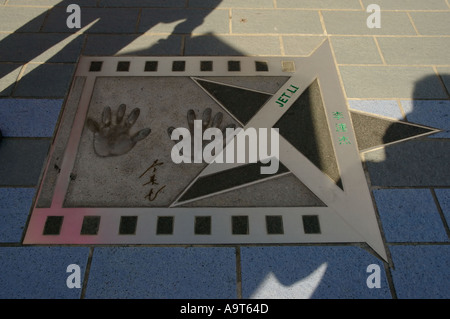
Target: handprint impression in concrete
(114,139)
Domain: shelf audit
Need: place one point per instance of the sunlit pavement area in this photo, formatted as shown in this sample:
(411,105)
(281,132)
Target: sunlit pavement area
(399,72)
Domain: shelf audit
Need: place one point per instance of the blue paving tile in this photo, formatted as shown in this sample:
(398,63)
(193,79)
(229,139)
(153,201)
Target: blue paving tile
(431,113)
(443,196)
(421,272)
(15,204)
(39,272)
(387,108)
(409,215)
(29,117)
(175,272)
(309,272)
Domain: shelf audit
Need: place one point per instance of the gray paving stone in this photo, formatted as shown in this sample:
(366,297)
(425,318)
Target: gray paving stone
(419,50)
(166,273)
(317,272)
(432,23)
(29,117)
(280,21)
(355,22)
(231,4)
(111,20)
(373,82)
(356,50)
(195,20)
(408,4)
(132,45)
(233,45)
(387,108)
(8,76)
(143,3)
(412,163)
(21,19)
(301,45)
(21,160)
(421,272)
(319,4)
(45,80)
(15,204)
(39,272)
(409,215)
(39,47)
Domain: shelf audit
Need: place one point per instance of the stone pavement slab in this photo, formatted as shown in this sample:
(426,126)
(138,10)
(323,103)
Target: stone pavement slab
(231,4)
(21,160)
(432,23)
(430,113)
(39,272)
(319,4)
(421,272)
(29,117)
(15,19)
(15,204)
(162,272)
(420,51)
(142,3)
(408,4)
(8,76)
(356,50)
(301,45)
(309,272)
(443,196)
(276,21)
(409,215)
(389,108)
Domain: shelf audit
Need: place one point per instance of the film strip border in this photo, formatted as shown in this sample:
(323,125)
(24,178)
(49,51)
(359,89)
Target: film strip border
(186,66)
(187,226)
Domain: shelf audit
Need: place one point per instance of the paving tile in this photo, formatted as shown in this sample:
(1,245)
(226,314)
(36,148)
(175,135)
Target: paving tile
(430,113)
(184,21)
(111,20)
(408,4)
(166,273)
(420,50)
(301,45)
(21,19)
(8,76)
(319,4)
(409,215)
(143,3)
(444,73)
(432,23)
(443,196)
(278,21)
(355,50)
(39,272)
(21,160)
(15,204)
(421,272)
(29,117)
(411,163)
(39,47)
(373,82)
(309,272)
(387,108)
(132,45)
(45,80)
(231,4)
(232,45)
(355,22)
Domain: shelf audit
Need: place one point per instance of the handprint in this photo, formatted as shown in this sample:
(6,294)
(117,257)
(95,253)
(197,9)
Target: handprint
(114,139)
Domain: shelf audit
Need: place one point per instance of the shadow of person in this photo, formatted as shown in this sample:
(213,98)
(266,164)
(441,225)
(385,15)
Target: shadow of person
(47,38)
(422,159)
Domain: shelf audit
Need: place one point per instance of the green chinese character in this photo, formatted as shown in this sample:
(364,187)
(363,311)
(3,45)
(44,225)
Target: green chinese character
(338,115)
(344,140)
(341,127)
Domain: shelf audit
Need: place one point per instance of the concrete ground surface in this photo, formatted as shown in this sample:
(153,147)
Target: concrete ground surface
(400,70)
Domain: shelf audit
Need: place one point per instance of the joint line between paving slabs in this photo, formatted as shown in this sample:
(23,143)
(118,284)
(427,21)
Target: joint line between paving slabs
(441,81)
(441,213)
(402,111)
(86,273)
(379,50)
(412,22)
(322,23)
